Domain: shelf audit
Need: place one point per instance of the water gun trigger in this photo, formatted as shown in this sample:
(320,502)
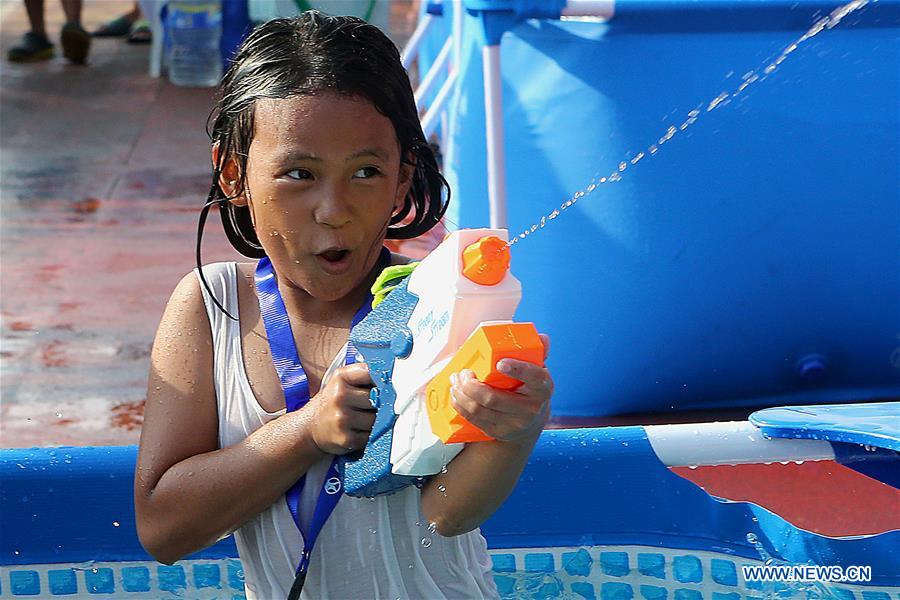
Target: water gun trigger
(487,345)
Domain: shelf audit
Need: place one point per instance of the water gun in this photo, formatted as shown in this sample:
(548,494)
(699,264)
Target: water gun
(452,312)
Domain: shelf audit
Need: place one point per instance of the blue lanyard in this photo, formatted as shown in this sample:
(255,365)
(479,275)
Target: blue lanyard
(296,395)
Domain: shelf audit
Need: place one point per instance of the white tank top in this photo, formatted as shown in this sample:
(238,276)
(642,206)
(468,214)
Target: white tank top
(368,548)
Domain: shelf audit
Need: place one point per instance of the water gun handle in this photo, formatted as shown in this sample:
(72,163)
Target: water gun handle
(489,343)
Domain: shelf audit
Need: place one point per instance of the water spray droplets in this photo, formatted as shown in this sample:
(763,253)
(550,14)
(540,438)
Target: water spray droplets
(748,79)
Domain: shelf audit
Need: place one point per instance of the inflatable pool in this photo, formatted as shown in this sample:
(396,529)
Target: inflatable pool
(615,513)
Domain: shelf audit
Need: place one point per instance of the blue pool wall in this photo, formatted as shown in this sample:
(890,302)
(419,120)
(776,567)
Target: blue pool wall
(752,261)
(581,489)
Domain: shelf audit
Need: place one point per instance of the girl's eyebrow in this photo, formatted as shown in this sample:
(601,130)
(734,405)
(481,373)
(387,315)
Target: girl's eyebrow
(299,155)
(376,152)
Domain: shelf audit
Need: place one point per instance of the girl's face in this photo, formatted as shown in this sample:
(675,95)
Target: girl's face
(324,177)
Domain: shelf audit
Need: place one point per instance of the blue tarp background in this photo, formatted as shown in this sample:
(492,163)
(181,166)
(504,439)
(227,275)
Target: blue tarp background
(764,234)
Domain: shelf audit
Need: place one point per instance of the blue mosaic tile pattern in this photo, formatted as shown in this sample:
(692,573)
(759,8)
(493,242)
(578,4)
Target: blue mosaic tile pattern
(723,572)
(62,582)
(590,573)
(652,565)
(614,563)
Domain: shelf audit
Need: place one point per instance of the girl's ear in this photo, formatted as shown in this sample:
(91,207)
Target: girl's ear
(229,178)
(407,169)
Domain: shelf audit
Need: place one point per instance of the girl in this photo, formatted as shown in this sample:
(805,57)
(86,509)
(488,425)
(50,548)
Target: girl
(318,157)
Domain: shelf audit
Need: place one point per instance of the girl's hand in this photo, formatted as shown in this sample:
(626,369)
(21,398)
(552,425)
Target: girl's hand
(340,415)
(504,415)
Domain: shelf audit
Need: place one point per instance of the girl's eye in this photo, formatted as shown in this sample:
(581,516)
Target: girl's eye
(367,172)
(299,174)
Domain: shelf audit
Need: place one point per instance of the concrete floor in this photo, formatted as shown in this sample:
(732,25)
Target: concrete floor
(102,173)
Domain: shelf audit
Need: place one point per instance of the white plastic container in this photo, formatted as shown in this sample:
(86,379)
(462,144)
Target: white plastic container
(194,30)
(449,309)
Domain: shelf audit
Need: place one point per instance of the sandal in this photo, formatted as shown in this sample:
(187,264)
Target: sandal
(32,48)
(140,33)
(75,42)
(118,27)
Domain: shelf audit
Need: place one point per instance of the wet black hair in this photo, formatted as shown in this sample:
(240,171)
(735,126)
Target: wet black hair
(304,55)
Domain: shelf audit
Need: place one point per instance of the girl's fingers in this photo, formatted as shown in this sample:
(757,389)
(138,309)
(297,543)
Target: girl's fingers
(355,375)
(535,379)
(545,339)
(358,399)
(498,401)
(472,410)
(359,420)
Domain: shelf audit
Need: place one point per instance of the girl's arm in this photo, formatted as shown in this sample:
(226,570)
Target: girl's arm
(482,476)
(189,493)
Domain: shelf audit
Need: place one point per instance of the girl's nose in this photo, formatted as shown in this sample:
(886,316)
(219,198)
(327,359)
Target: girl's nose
(333,209)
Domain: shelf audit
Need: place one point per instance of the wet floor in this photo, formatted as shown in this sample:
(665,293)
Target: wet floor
(102,171)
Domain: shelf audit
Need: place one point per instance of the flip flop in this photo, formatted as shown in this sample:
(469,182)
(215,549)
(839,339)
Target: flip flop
(76,42)
(32,48)
(118,27)
(140,33)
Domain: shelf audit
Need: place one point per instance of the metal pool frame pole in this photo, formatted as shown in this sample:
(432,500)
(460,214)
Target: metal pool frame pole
(435,111)
(497,17)
(493,116)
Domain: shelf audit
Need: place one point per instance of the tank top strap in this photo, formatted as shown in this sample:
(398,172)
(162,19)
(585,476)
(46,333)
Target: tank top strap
(222,280)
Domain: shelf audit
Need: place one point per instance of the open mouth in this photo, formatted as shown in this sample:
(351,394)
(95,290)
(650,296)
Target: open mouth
(334,255)
(334,261)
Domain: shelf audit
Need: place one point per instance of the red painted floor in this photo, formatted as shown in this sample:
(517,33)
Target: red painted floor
(102,172)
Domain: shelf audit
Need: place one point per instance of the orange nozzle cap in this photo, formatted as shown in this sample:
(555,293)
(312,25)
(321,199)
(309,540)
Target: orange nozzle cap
(486,261)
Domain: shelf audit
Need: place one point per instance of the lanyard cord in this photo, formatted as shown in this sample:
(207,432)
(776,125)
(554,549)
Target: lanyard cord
(296,394)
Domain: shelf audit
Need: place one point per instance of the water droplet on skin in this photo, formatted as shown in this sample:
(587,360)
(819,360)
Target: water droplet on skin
(432,527)
(59,415)
(444,469)
(442,488)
